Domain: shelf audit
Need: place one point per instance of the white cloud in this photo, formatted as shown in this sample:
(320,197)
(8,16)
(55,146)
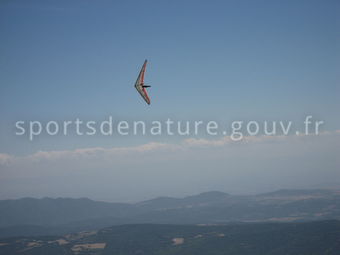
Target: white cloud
(5,158)
(191,165)
(187,144)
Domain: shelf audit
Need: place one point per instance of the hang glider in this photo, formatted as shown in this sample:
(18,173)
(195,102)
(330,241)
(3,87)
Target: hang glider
(140,86)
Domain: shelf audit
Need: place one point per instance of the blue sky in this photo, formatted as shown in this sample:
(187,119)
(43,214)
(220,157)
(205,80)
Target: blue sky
(219,60)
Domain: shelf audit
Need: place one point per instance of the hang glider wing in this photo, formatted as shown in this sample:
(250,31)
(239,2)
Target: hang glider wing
(140,86)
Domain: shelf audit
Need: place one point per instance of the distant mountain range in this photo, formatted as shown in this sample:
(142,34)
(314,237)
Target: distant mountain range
(30,216)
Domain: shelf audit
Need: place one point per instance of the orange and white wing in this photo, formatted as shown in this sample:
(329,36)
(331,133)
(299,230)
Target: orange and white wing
(140,82)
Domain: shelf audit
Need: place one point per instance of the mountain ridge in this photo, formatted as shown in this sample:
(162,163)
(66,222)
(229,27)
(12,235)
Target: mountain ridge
(58,215)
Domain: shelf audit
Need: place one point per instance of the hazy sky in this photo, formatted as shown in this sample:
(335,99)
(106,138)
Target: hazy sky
(208,60)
